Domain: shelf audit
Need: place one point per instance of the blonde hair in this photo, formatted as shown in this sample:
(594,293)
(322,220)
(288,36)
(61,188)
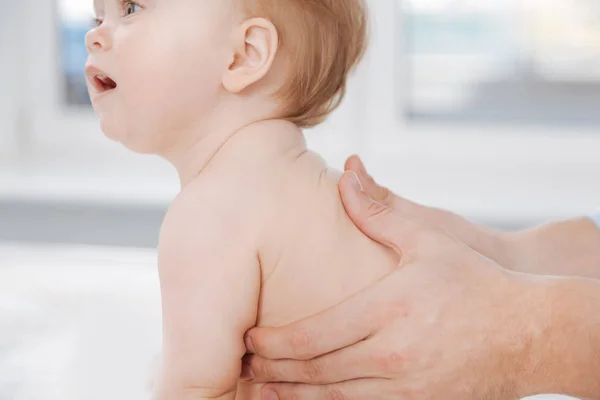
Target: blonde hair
(323,40)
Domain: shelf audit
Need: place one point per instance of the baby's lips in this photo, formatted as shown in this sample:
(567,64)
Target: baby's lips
(99,79)
(107,82)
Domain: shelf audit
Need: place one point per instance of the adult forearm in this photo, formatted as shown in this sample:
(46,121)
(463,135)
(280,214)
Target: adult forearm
(566,248)
(565,341)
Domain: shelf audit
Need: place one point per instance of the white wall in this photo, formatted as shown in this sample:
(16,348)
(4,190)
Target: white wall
(10,77)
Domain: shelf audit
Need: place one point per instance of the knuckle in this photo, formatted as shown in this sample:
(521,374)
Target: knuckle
(292,392)
(313,372)
(295,394)
(284,392)
(334,393)
(301,343)
(381,193)
(387,196)
(376,209)
(266,371)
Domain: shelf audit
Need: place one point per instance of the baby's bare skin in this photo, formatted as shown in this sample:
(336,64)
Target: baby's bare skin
(289,253)
(201,84)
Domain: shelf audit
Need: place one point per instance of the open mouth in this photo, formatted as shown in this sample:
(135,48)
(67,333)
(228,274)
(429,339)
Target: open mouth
(103,83)
(99,80)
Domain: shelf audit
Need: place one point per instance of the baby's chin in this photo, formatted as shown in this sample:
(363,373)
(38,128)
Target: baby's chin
(137,142)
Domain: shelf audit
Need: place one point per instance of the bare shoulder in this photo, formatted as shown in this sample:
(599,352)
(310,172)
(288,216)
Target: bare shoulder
(208,213)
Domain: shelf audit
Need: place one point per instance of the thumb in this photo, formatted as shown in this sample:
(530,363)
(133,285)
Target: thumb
(380,222)
(370,186)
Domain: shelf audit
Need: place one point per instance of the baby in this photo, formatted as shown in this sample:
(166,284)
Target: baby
(258,235)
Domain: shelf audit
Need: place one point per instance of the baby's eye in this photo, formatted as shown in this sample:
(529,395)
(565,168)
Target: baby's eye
(130,7)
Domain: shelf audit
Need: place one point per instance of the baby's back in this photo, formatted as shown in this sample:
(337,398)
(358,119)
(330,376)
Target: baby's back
(314,256)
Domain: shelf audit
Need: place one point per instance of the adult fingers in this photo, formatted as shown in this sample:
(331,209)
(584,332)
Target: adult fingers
(336,328)
(388,198)
(361,389)
(354,362)
(370,186)
(381,223)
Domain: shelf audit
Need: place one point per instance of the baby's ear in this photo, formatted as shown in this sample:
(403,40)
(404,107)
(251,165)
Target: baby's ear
(255,44)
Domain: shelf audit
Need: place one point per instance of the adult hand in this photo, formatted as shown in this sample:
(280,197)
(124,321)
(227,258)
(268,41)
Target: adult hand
(564,248)
(499,246)
(448,323)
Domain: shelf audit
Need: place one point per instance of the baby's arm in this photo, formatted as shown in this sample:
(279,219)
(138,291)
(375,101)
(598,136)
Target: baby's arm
(210,285)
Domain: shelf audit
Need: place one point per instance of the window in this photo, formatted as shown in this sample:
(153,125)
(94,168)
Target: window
(451,93)
(534,61)
(76,18)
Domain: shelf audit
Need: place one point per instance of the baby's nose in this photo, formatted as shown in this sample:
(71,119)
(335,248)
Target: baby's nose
(98,39)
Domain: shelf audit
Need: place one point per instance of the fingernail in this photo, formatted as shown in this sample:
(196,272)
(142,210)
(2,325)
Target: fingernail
(247,373)
(356,181)
(270,395)
(249,344)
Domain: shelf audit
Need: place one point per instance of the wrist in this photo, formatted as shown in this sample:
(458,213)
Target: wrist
(562,332)
(519,334)
(537,330)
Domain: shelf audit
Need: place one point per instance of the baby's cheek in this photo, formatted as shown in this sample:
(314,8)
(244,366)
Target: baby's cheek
(164,93)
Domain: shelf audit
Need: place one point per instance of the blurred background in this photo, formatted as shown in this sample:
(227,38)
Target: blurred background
(488,108)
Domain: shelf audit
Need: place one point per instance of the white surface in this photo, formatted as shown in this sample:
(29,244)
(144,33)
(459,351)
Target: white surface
(79,323)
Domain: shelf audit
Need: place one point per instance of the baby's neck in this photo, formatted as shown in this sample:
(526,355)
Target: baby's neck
(264,140)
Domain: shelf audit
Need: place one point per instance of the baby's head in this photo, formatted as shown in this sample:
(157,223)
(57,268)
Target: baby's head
(160,71)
